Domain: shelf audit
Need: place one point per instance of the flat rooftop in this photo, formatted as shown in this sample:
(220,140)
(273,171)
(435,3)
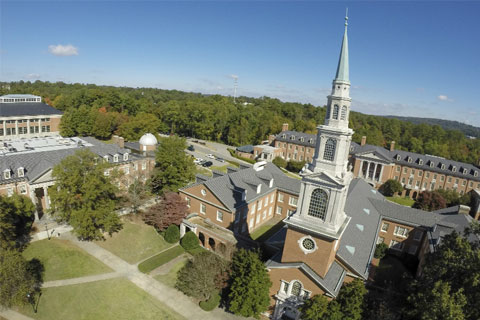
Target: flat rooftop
(32,145)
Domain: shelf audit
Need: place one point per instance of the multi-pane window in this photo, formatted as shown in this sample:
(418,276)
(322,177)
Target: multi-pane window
(385,227)
(254,207)
(271,198)
(396,245)
(203,208)
(280,197)
(318,204)
(293,201)
(219,215)
(335,112)
(330,146)
(344,113)
(23,189)
(264,214)
(259,205)
(401,231)
(266,202)
(270,211)
(279,210)
(380,240)
(187,199)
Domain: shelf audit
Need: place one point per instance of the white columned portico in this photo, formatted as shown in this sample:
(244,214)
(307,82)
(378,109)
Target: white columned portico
(374,172)
(47,199)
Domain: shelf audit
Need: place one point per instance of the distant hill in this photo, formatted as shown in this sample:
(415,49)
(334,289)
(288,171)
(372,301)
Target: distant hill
(445,124)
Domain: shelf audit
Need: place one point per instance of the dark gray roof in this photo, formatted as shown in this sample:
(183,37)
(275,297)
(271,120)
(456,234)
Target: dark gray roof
(229,187)
(247,149)
(403,214)
(304,139)
(420,161)
(37,163)
(331,283)
(27,109)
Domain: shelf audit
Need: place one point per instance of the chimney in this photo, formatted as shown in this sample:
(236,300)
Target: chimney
(121,142)
(392,145)
(463,209)
(271,138)
(364,141)
(285,127)
(115,139)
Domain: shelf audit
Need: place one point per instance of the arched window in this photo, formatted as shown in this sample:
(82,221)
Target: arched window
(335,112)
(318,204)
(344,113)
(330,146)
(296,288)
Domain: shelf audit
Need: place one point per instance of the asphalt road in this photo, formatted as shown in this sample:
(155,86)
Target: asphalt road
(216,149)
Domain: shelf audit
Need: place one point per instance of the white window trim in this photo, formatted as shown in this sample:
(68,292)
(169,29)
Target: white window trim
(203,206)
(125,156)
(21,172)
(305,251)
(221,213)
(400,234)
(291,200)
(385,223)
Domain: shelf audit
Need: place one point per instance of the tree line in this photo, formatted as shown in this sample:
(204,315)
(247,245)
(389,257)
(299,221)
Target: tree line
(101,111)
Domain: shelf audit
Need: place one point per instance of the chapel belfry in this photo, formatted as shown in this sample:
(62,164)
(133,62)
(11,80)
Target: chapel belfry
(320,219)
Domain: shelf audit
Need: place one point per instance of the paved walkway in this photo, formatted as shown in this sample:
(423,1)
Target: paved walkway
(13,315)
(68,282)
(169,296)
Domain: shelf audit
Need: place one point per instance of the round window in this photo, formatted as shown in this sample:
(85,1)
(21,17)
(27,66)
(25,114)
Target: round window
(204,192)
(308,244)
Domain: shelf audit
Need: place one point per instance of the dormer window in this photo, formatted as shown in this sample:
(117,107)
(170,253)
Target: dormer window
(302,139)
(7,174)
(443,166)
(399,157)
(311,140)
(454,169)
(125,156)
(115,158)
(475,174)
(465,171)
(259,188)
(420,162)
(20,172)
(410,160)
(432,164)
(284,136)
(105,158)
(292,138)
(270,185)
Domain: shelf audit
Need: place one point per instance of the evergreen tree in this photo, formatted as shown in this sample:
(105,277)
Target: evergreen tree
(351,298)
(83,196)
(314,308)
(250,284)
(174,168)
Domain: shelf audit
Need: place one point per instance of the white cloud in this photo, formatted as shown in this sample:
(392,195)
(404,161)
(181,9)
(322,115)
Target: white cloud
(63,51)
(32,76)
(233,76)
(443,97)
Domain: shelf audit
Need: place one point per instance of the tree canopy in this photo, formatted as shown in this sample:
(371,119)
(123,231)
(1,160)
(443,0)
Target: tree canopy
(430,201)
(170,210)
(173,168)
(84,196)
(390,187)
(250,284)
(16,219)
(104,110)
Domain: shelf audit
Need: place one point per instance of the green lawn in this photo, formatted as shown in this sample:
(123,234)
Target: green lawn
(171,277)
(160,259)
(403,201)
(221,168)
(266,230)
(63,260)
(108,299)
(290,174)
(204,171)
(135,242)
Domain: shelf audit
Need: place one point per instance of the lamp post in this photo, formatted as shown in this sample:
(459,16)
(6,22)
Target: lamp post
(46,229)
(31,299)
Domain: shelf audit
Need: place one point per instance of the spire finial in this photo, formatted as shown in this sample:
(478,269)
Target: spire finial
(346,17)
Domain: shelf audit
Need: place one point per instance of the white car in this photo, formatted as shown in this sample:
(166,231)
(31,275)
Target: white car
(197,160)
(211,156)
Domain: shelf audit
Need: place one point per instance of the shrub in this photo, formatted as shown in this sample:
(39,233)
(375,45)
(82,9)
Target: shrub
(211,303)
(280,162)
(380,250)
(172,234)
(233,154)
(295,166)
(190,241)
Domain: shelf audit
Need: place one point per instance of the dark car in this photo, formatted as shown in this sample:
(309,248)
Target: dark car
(207,164)
(191,148)
(220,160)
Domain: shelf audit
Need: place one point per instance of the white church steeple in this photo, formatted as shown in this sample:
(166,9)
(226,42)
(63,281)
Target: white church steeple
(325,183)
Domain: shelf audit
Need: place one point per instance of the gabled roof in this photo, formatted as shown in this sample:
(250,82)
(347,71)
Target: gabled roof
(228,188)
(27,109)
(300,138)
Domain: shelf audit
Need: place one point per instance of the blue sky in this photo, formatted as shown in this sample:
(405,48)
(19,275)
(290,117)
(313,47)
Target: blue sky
(406,58)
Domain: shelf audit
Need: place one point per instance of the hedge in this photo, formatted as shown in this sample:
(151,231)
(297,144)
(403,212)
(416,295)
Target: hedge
(160,259)
(190,241)
(233,154)
(172,234)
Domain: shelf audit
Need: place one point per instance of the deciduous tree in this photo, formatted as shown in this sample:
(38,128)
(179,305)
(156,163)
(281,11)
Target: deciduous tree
(430,201)
(173,168)
(16,219)
(390,187)
(171,209)
(84,196)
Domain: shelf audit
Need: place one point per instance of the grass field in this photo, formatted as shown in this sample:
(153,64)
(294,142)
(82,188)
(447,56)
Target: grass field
(221,168)
(266,230)
(403,201)
(135,242)
(171,277)
(160,259)
(63,260)
(204,171)
(108,299)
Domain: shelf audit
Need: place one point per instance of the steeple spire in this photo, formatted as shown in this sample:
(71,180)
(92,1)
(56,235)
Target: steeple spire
(342,69)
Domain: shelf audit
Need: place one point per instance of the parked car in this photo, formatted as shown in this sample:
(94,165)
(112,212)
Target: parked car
(191,148)
(211,156)
(207,164)
(220,160)
(198,160)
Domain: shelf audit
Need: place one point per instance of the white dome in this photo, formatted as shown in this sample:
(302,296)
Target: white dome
(148,139)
